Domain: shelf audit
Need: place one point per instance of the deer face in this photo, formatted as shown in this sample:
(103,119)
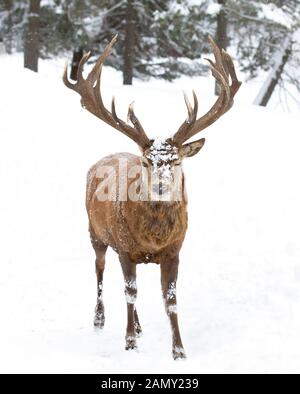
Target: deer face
(162,167)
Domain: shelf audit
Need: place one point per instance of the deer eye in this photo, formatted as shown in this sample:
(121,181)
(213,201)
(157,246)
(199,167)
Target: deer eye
(144,162)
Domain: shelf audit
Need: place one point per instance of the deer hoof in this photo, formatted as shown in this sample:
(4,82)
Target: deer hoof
(179,353)
(131,343)
(99,321)
(138,330)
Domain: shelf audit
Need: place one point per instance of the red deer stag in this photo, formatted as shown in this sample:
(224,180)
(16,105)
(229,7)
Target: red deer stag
(142,229)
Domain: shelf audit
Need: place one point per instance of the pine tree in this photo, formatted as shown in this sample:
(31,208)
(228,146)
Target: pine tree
(130,41)
(266,37)
(221,32)
(12,23)
(5,19)
(168,37)
(182,33)
(31,36)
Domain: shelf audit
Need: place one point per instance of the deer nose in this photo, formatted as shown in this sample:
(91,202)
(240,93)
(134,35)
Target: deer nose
(160,188)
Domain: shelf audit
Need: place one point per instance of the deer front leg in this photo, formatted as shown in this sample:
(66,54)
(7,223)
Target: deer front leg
(169,272)
(137,326)
(133,326)
(100,250)
(99,318)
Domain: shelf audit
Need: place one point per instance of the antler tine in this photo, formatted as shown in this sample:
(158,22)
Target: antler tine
(142,137)
(192,112)
(82,63)
(218,57)
(189,122)
(195,110)
(188,105)
(95,74)
(91,99)
(221,69)
(113,110)
(225,64)
(74,86)
(231,70)
(222,81)
(66,79)
(136,123)
(130,115)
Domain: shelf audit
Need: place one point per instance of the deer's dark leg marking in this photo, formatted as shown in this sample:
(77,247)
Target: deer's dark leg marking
(169,272)
(100,250)
(133,326)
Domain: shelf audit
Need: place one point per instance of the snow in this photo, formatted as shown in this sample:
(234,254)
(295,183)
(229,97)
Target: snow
(239,282)
(161,155)
(276,14)
(171,291)
(214,8)
(274,71)
(172,309)
(130,285)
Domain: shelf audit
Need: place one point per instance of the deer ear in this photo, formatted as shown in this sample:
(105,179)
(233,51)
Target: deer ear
(191,149)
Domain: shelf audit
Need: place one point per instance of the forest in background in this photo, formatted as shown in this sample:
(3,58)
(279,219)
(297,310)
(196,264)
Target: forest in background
(161,39)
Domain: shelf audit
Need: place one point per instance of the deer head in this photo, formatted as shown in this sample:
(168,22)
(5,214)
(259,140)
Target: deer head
(159,157)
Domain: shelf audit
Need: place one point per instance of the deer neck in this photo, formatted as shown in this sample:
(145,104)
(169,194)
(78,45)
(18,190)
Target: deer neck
(160,223)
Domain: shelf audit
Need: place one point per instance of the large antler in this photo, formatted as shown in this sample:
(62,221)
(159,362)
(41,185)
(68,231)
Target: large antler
(222,69)
(91,99)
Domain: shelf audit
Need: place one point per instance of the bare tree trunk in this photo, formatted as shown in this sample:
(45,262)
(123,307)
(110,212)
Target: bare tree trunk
(221,33)
(272,81)
(129,44)
(8,6)
(77,56)
(31,44)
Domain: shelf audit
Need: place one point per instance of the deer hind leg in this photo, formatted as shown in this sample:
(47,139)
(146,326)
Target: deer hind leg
(133,325)
(169,271)
(100,250)
(137,326)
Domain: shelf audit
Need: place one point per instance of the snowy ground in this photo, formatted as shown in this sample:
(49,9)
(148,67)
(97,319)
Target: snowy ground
(239,283)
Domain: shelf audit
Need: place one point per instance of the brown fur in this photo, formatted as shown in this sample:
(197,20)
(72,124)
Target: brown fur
(140,232)
(143,229)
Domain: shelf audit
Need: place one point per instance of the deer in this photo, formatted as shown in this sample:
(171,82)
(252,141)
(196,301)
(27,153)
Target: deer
(149,229)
